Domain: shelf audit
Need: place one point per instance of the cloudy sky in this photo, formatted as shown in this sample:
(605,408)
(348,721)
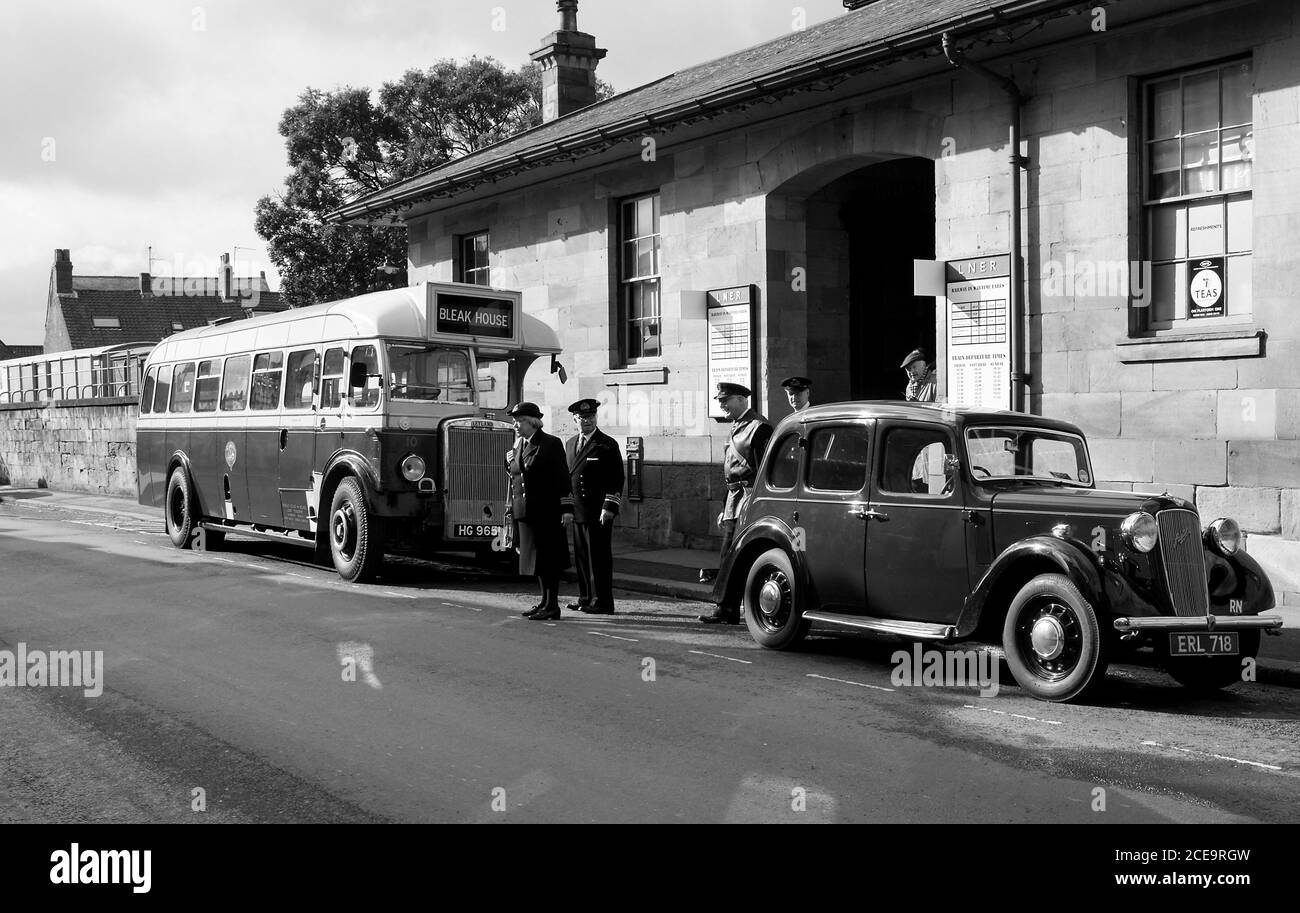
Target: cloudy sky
(129,123)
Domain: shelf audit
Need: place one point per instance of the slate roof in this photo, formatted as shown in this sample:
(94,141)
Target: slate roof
(8,352)
(150,318)
(851,43)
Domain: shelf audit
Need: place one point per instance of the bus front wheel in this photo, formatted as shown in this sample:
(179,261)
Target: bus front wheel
(355,534)
(180,508)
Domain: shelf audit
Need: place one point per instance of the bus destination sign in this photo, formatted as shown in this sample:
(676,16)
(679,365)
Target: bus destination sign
(469,315)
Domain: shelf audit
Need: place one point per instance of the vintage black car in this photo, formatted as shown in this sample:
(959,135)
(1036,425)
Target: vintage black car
(949,524)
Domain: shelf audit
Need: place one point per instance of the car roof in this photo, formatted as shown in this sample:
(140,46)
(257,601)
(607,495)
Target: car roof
(942,413)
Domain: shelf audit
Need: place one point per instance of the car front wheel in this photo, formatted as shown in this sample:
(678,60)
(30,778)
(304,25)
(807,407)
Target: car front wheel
(1053,640)
(773,611)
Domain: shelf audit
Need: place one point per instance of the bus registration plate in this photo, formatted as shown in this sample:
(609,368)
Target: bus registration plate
(475,531)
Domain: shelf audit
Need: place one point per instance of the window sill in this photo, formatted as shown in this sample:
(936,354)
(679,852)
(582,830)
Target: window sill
(1245,343)
(636,374)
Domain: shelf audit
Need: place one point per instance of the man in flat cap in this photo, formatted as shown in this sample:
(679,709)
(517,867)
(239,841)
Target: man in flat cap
(750,434)
(596,475)
(921,380)
(541,505)
(799,391)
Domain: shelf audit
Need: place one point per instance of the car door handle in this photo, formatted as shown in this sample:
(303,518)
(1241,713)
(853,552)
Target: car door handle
(284,438)
(863,513)
(973,518)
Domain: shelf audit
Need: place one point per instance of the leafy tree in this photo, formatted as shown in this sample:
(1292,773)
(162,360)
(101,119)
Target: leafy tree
(349,142)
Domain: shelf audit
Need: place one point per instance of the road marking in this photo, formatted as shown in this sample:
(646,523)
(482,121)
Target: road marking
(845,681)
(403,595)
(1019,716)
(729,659)
(1207,754)
(614,637)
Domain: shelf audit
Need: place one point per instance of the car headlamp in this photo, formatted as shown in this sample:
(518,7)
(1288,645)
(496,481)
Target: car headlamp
(413,468)
(1140,531)
(1225,536)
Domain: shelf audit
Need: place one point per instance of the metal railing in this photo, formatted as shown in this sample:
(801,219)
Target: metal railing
(113,372)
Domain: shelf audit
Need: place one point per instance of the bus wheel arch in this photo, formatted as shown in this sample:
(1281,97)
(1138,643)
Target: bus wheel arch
(354,533)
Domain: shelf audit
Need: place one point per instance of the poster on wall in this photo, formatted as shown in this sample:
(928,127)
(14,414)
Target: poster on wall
(978,292)
(731,340)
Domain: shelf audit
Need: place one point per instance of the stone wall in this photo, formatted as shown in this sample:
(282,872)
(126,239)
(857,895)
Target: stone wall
(78,445)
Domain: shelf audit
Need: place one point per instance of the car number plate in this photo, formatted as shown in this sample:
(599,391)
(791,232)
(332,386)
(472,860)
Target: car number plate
(1204,644)
(475,531)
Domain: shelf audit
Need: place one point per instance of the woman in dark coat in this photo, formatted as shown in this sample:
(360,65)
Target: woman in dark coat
(541,506)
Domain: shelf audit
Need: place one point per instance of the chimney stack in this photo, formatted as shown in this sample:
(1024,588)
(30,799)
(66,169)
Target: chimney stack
(146,285)
(225,278)
(62,272)
(568,59)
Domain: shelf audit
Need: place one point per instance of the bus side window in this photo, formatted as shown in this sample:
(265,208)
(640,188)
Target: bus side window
(183,388)
(146,397)
(331,387)
(368,395)
(301,387)
(234,384)
(267,369)
(163,389)
(207,388)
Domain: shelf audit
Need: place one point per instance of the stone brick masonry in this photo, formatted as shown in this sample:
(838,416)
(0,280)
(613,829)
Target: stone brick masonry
(77,447)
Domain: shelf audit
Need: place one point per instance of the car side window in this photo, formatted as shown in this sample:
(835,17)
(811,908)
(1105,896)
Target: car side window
(838,458)
(783,468)
(916,462)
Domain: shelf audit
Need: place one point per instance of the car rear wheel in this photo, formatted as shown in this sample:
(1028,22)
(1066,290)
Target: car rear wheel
(355,534)
(773,611)
(179,510)
(1208,673)
(1053,640)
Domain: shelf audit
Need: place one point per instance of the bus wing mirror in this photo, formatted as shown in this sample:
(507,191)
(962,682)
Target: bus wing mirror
(358,376)
(557,368)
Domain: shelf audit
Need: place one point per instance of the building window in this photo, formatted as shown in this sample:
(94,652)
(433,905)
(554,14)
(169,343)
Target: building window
(1198,155)
(639,276)
(107,323)
(472,258)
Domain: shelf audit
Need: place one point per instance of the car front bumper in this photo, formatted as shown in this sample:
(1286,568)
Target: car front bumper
(1268,623)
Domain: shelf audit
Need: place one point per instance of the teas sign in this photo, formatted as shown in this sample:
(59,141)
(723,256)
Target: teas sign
(469,315)
(1206,296)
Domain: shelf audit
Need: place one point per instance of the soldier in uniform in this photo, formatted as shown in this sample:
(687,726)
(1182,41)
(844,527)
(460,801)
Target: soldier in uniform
(596,474)
(799,391)
(541,505)
(750,435)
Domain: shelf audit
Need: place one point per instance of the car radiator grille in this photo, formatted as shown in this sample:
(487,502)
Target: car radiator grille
(476,474)
(1184,562)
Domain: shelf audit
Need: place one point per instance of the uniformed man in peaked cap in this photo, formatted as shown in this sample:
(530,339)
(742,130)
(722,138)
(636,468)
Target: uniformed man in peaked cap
(750,434)
(541,504)
(596,474)
(799,391)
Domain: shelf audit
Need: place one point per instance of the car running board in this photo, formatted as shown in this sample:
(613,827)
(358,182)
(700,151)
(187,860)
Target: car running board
(291,537)
(919,630)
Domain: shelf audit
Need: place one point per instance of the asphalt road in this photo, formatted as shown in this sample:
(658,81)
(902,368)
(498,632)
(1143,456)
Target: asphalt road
(225,672)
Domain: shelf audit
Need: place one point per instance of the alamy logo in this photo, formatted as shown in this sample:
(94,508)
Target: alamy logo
(23,668)
(78,866)
(940,668)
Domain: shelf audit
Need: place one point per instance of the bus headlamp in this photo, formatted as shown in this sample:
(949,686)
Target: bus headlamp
(413,468)
(1139,531)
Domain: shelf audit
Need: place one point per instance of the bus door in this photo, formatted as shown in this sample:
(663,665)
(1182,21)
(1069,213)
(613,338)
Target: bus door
(328,423)
(231,439)
(298,428)
(262,438)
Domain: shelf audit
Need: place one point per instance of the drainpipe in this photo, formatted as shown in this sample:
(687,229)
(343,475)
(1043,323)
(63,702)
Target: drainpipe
(1017,161)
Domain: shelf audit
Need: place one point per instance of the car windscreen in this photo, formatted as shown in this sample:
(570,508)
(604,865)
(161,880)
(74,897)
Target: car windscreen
(1033,455)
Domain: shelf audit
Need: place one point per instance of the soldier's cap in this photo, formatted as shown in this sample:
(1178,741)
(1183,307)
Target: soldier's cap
(725,390)
(914,355)
(796,383)
(584,407)
(529,410)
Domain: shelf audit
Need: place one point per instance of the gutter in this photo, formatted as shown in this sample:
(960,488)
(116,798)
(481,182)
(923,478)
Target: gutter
(1017,162)
(850,62)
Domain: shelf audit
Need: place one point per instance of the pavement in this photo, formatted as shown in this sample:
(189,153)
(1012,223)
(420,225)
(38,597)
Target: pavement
(670,572)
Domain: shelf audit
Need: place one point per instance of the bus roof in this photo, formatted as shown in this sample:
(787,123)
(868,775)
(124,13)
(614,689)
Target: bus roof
(396,313)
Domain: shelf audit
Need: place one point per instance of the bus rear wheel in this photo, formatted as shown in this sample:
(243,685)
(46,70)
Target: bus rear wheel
(179,510)
(355,534)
